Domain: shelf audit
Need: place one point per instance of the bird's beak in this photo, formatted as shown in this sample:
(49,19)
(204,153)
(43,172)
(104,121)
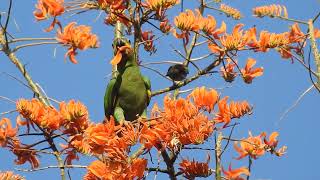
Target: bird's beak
(121,50)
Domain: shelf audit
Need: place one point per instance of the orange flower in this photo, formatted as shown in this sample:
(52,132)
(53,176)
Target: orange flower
(253,146)
(272,144)
(48,8)
(35,112)
(113,5)
(193,169)
(99,170)
(204,99)
(237,40)
(295,34)
(155,135)
(6,131)
(192,131)
(157,5)
(208,25)
(273,10)
(178,109)
(116,170)
(187,21)
(115,16)
(24,154)
(249,73)
(160,6)
(165,27)
(227,71)
(228,112)
(75,115)
(229,11)
(76,37)
(234,174)
(8,175)
(147,39)
(238,109)
(224,114)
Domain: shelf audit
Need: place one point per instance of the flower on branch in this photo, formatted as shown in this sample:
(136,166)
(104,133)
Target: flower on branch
(204,99)
(24,154)
(249,73)
(6,132)
(193,169)
(48,8)
(272,143)
(113,5)
(227,71)
(159,6)
(252,146)
(147,40)
(273,10)
(187,21)
(99,170)
(230,11)
(165,27)
(228,112)
(76,117)
(234,174)
(76,37)
(34,112)
(8,175)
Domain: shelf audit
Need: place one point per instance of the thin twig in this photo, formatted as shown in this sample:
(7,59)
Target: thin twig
(7,112)
(49,167)
(7,99)
(33,44)
(29,39)
(156,71)
(294,104)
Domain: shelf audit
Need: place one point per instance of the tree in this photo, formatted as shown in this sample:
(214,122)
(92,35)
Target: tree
(213,48)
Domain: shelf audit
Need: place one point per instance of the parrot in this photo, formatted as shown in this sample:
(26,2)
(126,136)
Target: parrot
(128,93)
(177,72)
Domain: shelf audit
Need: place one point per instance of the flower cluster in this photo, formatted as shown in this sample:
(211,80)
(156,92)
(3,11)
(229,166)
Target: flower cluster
(249,73)
(159,6)
(189,21)
(72,118)
(273,10)
(235,174)
(49,8)
(230,11)
(233,110)
(116,170)
(8,175)
(10,140)
(76,37)
(255,146)
(193,169)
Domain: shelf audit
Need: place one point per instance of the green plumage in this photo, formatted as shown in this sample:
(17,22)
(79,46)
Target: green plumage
(128,94)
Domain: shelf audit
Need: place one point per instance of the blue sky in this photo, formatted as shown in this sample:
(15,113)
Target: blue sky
(271,94)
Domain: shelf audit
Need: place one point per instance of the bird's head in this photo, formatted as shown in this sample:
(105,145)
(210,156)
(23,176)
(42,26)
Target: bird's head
(177,72)
(121,47)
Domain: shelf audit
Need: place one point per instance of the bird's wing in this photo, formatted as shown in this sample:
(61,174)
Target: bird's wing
(147,83)
(111,95)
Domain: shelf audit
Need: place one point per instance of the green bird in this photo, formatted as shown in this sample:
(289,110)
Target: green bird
(128,93)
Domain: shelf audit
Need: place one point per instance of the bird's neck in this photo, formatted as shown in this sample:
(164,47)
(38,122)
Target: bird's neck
(125,64)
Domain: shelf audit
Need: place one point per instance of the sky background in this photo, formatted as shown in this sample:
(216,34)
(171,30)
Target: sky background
(271,94)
